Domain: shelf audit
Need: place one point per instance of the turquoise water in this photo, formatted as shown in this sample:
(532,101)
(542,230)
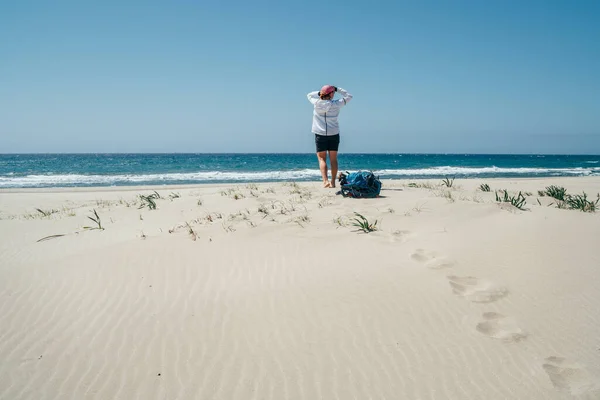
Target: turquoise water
(68,170)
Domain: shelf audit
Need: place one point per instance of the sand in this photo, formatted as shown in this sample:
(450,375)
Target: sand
(266,292)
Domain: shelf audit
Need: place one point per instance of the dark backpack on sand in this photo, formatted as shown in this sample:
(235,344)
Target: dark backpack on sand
(361,184)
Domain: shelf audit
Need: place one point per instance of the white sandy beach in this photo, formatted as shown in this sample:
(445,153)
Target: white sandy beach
(266,292)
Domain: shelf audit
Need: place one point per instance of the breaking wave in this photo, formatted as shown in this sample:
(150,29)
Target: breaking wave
(61,180)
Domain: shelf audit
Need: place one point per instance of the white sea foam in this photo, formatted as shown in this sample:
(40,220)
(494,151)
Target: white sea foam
(489,171)
(8,181)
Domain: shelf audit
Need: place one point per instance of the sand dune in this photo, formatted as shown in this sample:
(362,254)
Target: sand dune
(267,292)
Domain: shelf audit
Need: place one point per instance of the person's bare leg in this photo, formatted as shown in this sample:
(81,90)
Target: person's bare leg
(334,166)
(322,156)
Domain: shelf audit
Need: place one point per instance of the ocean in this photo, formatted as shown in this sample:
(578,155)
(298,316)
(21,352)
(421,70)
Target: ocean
(84,170)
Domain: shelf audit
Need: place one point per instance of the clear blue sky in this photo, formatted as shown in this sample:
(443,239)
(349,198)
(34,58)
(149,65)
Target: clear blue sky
(182,76)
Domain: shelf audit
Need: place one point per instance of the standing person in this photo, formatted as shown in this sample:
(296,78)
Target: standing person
(326,128)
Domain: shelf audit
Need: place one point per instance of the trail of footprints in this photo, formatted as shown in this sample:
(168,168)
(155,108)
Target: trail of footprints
(566,376)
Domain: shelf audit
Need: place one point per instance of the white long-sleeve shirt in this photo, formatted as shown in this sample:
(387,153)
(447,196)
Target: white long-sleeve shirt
(325,114)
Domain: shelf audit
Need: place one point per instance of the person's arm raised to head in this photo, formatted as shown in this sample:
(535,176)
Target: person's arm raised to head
(313,97)
(346,97)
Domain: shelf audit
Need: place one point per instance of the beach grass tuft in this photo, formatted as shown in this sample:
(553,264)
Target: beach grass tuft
(421,207)
(325,201)
(556,192)
(448,182)
(304,218)
(363,224)
(571,202)
(339,221)
(301,220)
(263,210)
(518,201)
(148,201)
(581,202)
(424,185)
(447,194)
(103,203)
(96,219)
(227,227)
(484,187)
(191,232)
(46,213)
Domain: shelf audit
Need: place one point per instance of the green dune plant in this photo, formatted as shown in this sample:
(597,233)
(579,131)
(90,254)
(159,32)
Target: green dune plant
(581,202)
(556,192)
(147,201)
(363,224)
(96,219)
(448,182)
(484,187)
(517,201)
(46,213)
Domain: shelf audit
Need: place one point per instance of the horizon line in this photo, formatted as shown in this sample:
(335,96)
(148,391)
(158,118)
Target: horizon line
(295,153)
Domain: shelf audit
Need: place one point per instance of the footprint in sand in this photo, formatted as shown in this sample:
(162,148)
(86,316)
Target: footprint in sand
(567,376)
(498,326)
(400,236)
(431,259)
(476,290)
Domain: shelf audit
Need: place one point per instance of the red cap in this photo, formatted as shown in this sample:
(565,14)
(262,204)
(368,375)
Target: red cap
(325,90)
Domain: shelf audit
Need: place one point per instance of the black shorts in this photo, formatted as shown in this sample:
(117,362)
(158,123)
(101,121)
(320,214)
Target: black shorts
(327,143)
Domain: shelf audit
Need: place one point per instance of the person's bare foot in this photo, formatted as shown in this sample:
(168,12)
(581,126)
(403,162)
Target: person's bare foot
(326,184)
(332,185)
